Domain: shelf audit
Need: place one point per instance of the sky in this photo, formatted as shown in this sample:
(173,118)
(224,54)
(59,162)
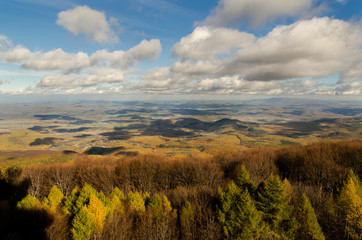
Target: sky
(181,47)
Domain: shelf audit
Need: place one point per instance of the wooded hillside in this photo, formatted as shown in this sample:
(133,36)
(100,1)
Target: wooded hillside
(295,192)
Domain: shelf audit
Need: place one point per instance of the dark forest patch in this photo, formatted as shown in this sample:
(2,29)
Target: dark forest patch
(102,151)
(135,126)
(81,122)
(345,111)
(41,129)
(83,136)
(43,141)
(74,130)
(69,152)
(55,116)
(117,134)
(296,112)
(255,131)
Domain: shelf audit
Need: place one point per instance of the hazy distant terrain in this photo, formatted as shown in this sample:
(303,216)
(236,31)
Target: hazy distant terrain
(174,128)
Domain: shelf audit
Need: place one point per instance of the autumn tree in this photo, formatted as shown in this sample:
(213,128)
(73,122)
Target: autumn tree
(135,202)
(350,208)
(54,198)
(186,216)
(29,202)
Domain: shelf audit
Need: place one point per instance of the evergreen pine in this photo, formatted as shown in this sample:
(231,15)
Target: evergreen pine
(243,181)
(309,227)
(272,201)
(238,215)
(69,203)
(82,225)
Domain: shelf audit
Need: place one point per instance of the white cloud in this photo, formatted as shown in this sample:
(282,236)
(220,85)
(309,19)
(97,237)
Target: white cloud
(58,60)
(201,67)
(17,54)
(145,50)
(206,42)
(255,11)
(69,71)
(308,48)
(1,82)
(5,43)
(91,78)
(69,62)
(92,23)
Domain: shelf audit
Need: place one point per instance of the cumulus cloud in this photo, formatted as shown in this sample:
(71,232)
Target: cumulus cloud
(255,11)
(308,48)
(73,72)
(205,42)
(92,23)
(145,50)
(92,78)
(58,60)
(295,53)
(69,62)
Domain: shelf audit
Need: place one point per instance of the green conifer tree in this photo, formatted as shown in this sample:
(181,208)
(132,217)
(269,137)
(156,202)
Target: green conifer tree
(238,215)
(82,225)
(84,196)
(272,201)
(308,224)
(155,205)
(243,180)
(69,203)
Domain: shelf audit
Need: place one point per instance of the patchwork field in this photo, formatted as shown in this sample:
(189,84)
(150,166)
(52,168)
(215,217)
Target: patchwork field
(52,132)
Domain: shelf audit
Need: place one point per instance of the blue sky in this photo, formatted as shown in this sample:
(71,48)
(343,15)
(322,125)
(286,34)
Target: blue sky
(166,47)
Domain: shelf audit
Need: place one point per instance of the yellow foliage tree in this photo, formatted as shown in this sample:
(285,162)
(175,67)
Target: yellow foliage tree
(54,198)
(350,205)
(135,202)
(98,212)
(29,202)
